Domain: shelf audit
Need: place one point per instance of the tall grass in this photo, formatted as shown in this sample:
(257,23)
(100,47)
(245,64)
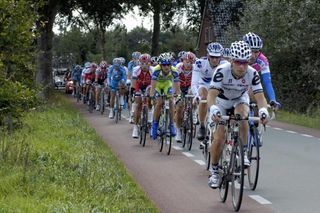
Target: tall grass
(57,163)
(300,119)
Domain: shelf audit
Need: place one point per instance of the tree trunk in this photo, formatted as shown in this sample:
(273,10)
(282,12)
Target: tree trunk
(156,28)
(103,43)
(44,42)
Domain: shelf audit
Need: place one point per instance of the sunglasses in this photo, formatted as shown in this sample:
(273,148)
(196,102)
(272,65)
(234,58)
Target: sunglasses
(215,57)
(237,62)
(165,65)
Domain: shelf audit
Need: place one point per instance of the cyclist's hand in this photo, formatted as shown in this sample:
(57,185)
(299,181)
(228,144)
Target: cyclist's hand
(264,115)
(178,99)
(275,105)
(196,99)
(215,113)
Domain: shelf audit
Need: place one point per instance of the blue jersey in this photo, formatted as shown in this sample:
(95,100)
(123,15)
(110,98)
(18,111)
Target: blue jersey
(115,76)
(76,74)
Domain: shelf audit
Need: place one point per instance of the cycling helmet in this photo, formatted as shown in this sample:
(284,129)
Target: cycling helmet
(215,49)
(226,53)
(145,58)
(154,59)
(93,65)
(116,62)
(181,53)
(77,67)
(123,60)
(172,55)
(87,65)
(165,58)
(254,41)
(189,56)
(103,64)
(136,55)
(240,50)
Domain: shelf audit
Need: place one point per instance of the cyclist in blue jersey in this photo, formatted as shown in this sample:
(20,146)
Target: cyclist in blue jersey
(116,81)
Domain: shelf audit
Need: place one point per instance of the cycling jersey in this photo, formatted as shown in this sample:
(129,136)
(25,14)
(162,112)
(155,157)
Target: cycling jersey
(76,75)
(202,74)
(116,76)
(131,65)
(101,74)
(261,64)
(143,79)
(231,88)
(164,82)
(185,78)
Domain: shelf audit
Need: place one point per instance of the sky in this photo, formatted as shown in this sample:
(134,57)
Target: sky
(131,20)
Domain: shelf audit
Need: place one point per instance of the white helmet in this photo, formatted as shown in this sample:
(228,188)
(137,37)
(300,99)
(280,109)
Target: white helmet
(240,50)
(254,41)
(215,49)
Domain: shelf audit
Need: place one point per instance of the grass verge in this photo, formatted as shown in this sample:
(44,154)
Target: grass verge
(57,163)
(300,119)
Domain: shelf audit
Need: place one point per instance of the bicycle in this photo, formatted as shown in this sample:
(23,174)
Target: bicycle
(117,106)
(165,139)
(91,97)
(231,162)
(253,145)
(102,99)
(187,122)
(144,126)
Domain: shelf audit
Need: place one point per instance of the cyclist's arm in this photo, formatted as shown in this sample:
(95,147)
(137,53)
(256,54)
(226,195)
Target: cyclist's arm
(261,100)
(267,85)
(176,82)
(195,81)
(212,95)
(153,87)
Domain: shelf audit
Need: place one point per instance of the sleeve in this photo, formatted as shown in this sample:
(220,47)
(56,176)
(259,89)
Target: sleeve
(195,79)
(155,75)
(175,75)
(109,75)
(267,84)
(216,82)
(256,83)
(135,72)
(124,75)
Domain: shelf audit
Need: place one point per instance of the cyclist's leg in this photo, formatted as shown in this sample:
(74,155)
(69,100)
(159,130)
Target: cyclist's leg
(169,91)
(202,111)
(156,112)
(97,96)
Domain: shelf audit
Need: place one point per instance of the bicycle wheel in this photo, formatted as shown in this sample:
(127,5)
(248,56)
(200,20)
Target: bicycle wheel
(254,158)
(224,165)
(189,128)
(237,170)
(91,101)
(167,135)
(184,132)
(116,114)
(161,130)
(78,93)
(102,102)
(144,126)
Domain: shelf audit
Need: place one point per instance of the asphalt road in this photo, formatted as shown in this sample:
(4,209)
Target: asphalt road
(178,183)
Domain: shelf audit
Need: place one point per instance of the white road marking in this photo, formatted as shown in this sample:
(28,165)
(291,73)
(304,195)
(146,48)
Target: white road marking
(260,199)
(289,131)
(276,128)
(188,154)
(200,162)
(177,147)
(308,136)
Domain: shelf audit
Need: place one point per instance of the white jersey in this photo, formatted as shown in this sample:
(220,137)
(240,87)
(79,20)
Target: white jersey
(202,74)
(232,88)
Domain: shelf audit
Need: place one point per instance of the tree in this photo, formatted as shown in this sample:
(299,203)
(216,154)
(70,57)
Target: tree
(164,8)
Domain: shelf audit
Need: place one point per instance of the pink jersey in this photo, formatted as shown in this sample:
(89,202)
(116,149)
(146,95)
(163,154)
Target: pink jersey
(261,64)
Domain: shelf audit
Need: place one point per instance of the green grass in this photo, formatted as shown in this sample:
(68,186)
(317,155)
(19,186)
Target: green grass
(57,163)
(300,119)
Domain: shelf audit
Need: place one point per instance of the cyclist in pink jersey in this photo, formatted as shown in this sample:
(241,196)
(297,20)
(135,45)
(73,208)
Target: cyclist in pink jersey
(260,63)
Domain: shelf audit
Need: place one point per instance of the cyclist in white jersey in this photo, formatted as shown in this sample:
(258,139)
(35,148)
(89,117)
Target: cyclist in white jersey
(201,78)
(229,89)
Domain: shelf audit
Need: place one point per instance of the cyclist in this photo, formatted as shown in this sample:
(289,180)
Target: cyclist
(260,62)
(165,79)
(116,81)
(141,81)
(89,77)
(229,89)
(185,75)
(133,63)
(201,77)
(76,77)
(101,75)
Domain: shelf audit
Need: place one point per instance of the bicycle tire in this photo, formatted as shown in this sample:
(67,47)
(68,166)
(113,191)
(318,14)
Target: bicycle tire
(224,185)
(91,103)
(190,128)
(145,126)
(237,171)
(102,102)
(167,134)
(116,109)
(253,151)
(78,93)
(161,138)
